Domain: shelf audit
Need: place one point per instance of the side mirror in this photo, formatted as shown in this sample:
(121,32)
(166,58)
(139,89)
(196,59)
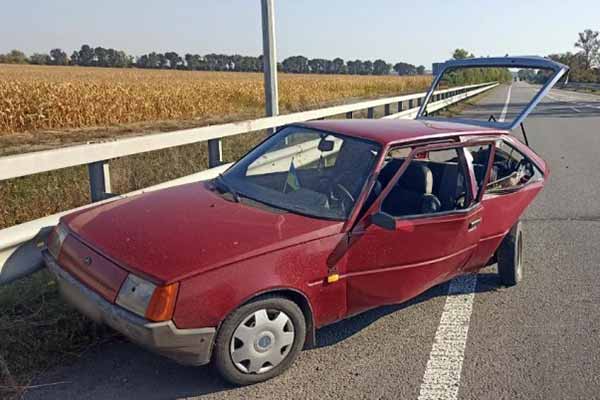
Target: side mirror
(325,145)
(384,220)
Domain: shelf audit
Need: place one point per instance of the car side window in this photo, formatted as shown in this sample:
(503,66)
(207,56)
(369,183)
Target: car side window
(510,169)
(433,182)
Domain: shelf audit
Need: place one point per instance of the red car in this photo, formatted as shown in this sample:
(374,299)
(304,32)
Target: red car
(321,221)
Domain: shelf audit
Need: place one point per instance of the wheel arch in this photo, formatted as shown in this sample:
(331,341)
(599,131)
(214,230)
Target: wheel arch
(300,299)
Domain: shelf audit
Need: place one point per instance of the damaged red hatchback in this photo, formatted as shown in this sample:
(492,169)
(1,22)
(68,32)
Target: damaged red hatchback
(321,221)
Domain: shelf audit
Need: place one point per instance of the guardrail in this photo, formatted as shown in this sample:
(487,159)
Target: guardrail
(581,85)
(20,244)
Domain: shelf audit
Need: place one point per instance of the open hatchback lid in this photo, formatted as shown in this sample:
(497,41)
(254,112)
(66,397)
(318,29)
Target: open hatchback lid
(527,78)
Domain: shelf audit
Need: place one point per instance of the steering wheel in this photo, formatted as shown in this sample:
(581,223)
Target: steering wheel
(461,201)
(337,193)
(524,169)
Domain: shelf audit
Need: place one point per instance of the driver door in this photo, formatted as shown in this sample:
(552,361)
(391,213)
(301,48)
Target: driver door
(422,247)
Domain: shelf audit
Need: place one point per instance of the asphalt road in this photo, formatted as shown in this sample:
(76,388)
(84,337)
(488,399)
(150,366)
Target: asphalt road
(539,340)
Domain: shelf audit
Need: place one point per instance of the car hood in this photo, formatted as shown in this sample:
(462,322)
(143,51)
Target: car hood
(170,234)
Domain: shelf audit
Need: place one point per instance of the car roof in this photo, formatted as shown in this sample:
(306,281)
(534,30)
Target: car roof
(391,131)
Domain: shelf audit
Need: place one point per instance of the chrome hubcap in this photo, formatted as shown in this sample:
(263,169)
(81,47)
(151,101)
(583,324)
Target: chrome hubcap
(262,341)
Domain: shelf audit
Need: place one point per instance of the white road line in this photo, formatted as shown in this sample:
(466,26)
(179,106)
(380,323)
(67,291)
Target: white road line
(441,379)
(506,103)
(442,375)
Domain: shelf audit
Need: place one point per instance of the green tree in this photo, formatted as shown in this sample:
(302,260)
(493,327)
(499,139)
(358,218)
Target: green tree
(461,54)
(174,60)
(58,57)
(318,65)
(101,57)
(296,65)
(380,67)
(14,57)
(367,68)
(589,44)
(421,70)
(355,67)
(118,59)
(84,57)
(39,59)
(403,68)
(338,66)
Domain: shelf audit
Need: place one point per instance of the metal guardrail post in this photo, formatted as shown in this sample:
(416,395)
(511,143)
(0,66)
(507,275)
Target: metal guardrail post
(370,112)
(99,173)
(387,109)
(215,153)
(399,106)
(349,115)
(410,104)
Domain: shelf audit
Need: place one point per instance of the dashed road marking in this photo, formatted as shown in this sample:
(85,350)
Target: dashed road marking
(444,367)
(506,103)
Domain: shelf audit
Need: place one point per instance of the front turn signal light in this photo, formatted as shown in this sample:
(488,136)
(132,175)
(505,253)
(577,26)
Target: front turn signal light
(162,304)
(56,239)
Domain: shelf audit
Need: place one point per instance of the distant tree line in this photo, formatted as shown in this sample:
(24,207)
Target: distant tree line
(584,64)
(468,76)
(89,56)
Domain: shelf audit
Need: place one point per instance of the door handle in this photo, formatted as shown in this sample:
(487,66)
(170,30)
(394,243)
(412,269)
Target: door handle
(474,224)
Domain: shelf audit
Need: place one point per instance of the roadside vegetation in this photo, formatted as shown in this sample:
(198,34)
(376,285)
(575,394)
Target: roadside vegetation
(585,63)
(39,331)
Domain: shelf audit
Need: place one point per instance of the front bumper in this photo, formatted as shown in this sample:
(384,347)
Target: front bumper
(186,346)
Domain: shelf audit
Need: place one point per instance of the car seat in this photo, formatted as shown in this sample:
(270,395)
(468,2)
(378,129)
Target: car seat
(412,194)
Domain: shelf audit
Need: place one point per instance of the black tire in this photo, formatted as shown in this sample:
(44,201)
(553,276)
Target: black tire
(510,260)
(222,350)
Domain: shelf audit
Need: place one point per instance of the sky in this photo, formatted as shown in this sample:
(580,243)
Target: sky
(418,32)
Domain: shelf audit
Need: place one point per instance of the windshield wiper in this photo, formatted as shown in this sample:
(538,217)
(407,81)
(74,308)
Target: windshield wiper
(228,187)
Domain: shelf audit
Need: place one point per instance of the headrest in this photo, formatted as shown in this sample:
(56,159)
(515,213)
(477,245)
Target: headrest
(417,178)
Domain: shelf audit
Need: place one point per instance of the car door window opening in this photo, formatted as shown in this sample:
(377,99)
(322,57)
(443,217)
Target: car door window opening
(433,182)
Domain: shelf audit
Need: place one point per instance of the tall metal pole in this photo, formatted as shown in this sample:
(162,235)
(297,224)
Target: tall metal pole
(269,57)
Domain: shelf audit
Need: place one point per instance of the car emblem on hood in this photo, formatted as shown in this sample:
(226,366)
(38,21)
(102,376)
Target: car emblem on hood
(87,260)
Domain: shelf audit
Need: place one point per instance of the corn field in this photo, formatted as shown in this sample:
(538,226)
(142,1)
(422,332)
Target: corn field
(37,98)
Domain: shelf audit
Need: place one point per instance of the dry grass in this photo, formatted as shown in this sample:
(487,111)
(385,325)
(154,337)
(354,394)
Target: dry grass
(39,331)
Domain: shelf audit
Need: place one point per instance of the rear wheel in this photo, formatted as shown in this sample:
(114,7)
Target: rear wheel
(259,340)
(510,253)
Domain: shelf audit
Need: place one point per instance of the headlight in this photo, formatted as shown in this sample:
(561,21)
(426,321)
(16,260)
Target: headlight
(56,239)
(155,303)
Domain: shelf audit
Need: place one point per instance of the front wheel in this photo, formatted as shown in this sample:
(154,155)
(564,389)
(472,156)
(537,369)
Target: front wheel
(510,252)
(259,340)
